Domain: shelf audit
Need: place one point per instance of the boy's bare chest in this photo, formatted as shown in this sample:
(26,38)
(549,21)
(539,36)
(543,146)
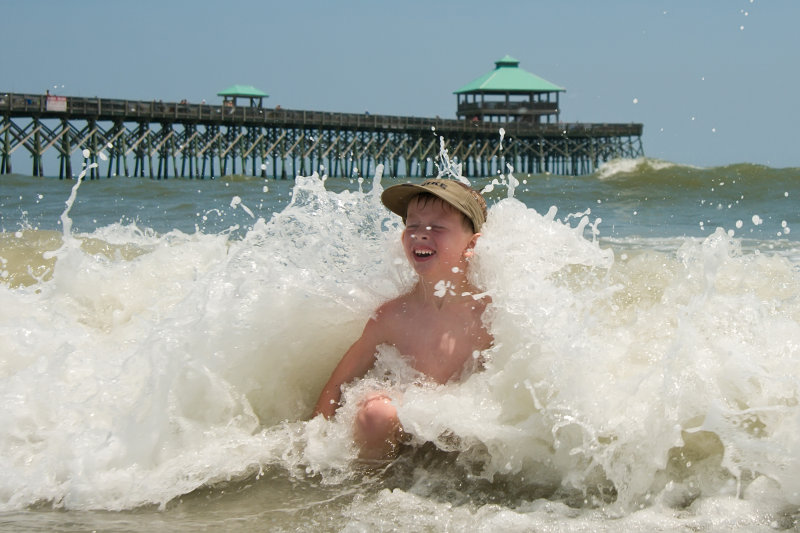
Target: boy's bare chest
(439,345)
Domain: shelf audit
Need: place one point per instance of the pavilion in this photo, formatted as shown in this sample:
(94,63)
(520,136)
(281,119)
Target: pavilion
(234,92)
(509,94)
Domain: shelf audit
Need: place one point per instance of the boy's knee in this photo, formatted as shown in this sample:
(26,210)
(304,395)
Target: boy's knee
(377,428)
(377,415)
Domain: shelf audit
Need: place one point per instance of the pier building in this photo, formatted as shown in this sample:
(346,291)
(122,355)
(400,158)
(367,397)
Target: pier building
(509,94)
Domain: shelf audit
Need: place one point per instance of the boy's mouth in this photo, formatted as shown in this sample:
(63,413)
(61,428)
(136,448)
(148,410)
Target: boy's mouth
(423,253)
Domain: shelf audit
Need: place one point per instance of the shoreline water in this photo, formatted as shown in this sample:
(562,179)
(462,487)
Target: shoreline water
(644,376)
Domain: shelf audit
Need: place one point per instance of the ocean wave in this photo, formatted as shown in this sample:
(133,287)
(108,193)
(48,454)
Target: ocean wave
(621,167)
(152,365)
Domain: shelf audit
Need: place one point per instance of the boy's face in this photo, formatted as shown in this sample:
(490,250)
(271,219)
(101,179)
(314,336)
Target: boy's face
(437,239)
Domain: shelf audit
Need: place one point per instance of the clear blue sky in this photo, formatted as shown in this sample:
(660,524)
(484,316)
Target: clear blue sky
(714,82)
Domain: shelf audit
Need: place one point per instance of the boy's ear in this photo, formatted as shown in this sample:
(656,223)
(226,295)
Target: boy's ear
(470,251)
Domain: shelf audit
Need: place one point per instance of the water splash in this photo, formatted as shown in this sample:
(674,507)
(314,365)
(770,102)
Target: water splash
(448,168)
(506,180)
(451,168)
(236,201)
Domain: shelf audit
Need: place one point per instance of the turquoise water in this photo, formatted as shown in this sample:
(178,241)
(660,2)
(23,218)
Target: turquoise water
(163,343)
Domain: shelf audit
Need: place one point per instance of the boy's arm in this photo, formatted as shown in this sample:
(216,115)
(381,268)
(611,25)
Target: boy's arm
(356,362)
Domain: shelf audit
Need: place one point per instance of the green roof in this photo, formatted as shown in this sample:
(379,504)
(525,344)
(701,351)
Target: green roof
(508,77)
(246,91)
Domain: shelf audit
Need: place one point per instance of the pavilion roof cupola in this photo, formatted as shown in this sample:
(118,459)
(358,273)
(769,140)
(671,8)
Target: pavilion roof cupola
(509,94)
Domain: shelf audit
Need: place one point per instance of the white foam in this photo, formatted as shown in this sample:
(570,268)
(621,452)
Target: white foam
(615,167)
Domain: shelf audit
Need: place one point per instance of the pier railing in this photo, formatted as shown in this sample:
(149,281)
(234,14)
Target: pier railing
(468,109)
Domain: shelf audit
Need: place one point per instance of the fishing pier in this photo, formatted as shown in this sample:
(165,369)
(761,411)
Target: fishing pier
(181,139)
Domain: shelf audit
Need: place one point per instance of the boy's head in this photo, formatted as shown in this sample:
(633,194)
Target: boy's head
(463,198)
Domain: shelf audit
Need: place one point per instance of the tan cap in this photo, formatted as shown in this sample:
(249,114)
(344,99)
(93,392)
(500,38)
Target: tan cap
(455,193)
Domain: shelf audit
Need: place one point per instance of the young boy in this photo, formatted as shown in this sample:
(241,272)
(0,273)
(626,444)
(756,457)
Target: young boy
(437,325)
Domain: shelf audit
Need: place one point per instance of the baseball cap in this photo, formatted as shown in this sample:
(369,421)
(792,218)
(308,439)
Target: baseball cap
(467,200)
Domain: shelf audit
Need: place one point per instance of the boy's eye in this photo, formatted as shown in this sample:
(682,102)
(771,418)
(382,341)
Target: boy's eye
(413,226)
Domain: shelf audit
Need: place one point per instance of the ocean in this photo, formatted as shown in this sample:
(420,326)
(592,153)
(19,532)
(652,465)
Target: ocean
(163,344)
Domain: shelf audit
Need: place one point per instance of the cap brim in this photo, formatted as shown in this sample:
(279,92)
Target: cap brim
(397,197)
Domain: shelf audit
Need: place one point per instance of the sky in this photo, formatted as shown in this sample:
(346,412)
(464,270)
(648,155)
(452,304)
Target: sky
(715,82)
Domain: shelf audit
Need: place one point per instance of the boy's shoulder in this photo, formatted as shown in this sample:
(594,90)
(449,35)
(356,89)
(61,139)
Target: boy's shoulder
(396,306)
(395,314)
(388,320)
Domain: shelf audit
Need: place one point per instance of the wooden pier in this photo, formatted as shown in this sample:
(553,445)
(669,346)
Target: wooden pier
(179,139)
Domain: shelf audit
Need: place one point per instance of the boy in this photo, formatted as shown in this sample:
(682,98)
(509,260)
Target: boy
(437,325)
